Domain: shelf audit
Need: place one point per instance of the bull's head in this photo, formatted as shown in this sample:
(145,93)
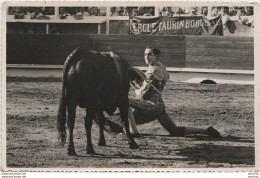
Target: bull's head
(136,77)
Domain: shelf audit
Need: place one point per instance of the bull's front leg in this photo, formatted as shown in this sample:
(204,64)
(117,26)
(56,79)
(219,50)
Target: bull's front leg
(101,123)
(71,122)
(88,124)
(123,108)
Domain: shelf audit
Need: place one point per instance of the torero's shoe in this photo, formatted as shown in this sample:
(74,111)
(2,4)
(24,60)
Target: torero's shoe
(212,132)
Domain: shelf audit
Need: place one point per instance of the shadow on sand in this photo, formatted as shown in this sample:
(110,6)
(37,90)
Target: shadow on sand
(219,154)
(226,138)
(200,152)
(203,138)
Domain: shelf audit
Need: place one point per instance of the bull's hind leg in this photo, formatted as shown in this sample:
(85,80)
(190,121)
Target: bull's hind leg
(71,122)
(88,124)
(124,116)
(101,120)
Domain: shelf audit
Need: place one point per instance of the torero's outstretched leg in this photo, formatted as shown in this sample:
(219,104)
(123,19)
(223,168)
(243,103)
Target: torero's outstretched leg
(174,130)
(141,116)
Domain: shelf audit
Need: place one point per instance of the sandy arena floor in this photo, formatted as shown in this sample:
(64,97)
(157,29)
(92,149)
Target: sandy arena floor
(32,135)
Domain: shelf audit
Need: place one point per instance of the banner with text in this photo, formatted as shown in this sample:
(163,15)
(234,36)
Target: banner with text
(185,25)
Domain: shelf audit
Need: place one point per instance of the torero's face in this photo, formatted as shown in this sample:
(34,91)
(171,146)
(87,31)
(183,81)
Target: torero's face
(149,56)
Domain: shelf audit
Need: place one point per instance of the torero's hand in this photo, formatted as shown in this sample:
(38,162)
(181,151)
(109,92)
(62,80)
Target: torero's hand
(135,85)
(138,92)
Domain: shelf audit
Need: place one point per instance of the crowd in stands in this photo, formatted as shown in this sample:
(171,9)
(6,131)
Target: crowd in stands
(233,11)
(35,12)
(243,14)
(178,11)
(132,11)
(215,11)
(31,10)
(82,11)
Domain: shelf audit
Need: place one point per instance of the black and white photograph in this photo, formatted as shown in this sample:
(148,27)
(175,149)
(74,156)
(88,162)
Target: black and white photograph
(130,86)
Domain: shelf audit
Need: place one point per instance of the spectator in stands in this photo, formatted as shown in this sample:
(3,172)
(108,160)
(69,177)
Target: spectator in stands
(18,12)
(241,11)
(148,12)
(63,13)
(94,11)
(170,12)
(249,11)
(10,10)
(214,11)
(232,11)
(39,11)
(83,11)
(204,11)
(30,10)
(225,16)
(121,11)
(179,12)
(193,11)
(165,12)
(141,11)
(135,12)
(126,11)
(42,10)
(102,11)
(219,11)
(36,13)
(25,10)
(49,11)
(244,17)
(223,10)
(115,11)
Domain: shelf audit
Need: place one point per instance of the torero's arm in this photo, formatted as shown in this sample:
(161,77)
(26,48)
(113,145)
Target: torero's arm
(146,86)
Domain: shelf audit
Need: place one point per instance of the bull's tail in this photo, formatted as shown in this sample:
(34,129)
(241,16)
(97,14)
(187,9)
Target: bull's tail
(61,118)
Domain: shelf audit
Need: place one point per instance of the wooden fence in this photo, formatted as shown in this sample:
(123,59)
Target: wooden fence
(210,52)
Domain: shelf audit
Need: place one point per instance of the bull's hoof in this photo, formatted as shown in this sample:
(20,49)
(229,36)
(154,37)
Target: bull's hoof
(133,145)
(90,151)
(72,152)
(102,143)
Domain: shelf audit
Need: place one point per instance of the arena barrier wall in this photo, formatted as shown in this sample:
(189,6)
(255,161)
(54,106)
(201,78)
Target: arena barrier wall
(191,59)
(208,52)
(53,49)
(212,52)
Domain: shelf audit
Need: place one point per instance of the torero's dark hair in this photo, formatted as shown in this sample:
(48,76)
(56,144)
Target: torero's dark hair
(156,51)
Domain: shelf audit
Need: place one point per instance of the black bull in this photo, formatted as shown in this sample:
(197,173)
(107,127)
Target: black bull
(98,82)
